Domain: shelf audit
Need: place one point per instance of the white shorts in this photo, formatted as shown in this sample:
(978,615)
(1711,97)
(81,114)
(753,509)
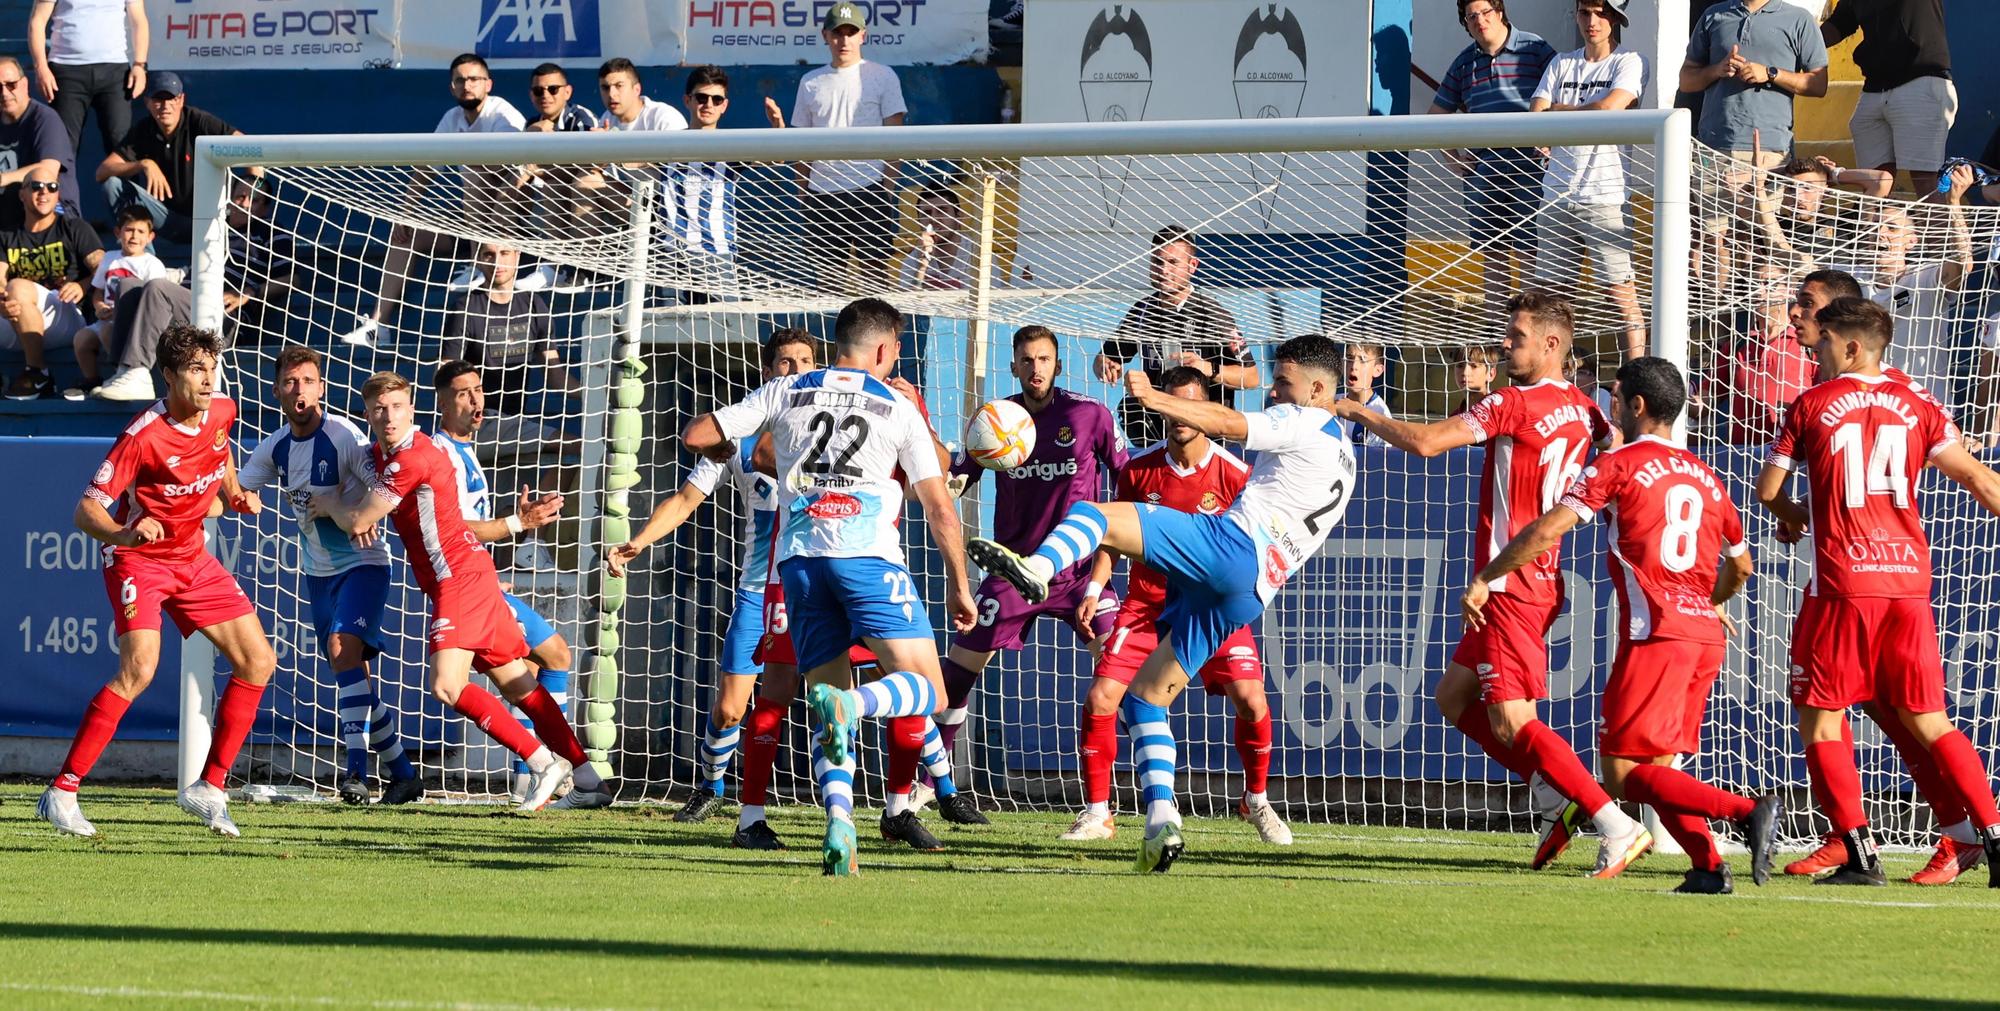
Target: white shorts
(1570,230)
(1904,126)
(60,323)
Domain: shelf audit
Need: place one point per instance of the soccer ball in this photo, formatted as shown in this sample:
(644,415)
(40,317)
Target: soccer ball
(1000,436)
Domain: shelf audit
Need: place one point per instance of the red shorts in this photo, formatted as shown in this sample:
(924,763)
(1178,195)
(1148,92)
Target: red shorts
(776,645)
(1867,649)
(1511,654)
(1655,699)
(476,617)
(197,593)
(1135,634)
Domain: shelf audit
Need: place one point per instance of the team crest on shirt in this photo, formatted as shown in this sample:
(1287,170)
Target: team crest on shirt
(1065,437)
(1209,503)
(221,440)
(104,473)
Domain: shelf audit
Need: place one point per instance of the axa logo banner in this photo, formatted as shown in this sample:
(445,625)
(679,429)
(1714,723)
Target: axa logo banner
(537,29)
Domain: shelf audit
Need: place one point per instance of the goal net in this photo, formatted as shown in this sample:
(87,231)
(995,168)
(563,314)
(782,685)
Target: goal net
(648,269)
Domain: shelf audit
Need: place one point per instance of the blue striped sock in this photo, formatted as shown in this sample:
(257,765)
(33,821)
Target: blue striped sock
(902,693)
(1153,752)
(357,701)
(382,737)
(937,760)
(718,746)
(1075,538)
(836,783)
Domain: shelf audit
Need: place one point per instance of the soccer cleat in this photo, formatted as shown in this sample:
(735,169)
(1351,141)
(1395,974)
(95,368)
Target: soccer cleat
(1831,853)
(921,796)
(58,808)
(830,710)
(1088,828)
(402,791)
(205,801)
(908,828)
(354,789)
(1701,882)
(1158,851)
(128,384)
(518,786)
(363,336)
(698,807)
(1760,831)
(1270,828)
(756,836)
(580,799)
(1952,859)
(836,858)
(1615,853)
(545,786)
(1557,832)
(959,809)
(1851,875)
(999,560)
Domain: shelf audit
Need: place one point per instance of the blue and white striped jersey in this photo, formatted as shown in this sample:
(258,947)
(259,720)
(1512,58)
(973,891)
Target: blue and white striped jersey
(335,460)
(760,499)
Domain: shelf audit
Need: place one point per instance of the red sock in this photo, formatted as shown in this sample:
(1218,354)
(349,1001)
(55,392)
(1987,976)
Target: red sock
(761,734)
(1547,753)
(1666,789)
(1472,722)
(552,726)
(1097,742)
(1958,763)
(1836,784)
(905,744)
(492,718)
(1253,745)
(1691,831)
(100,724)
(233,717)
(1946,806)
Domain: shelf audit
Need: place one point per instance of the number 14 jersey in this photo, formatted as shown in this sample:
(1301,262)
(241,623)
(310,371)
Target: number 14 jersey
(1536,440)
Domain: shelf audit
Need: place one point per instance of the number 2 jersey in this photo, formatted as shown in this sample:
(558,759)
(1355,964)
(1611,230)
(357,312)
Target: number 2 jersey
(1299,485)
(839,434)
(1863,440)
(1671,521)
(1536,439)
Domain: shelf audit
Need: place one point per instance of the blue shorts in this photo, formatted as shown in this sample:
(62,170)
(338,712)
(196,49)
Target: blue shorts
(1211,570)
(746,626)
(835,601)
(351,603)
(534,628)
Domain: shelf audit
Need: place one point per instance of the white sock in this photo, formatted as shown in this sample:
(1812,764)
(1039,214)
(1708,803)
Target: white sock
(587,778)
(1258,799)
(1161,812)
(1040,566)
(1961,832)
(898,803)
(540,761)
(749,814)
(1611,820)
(1099,810)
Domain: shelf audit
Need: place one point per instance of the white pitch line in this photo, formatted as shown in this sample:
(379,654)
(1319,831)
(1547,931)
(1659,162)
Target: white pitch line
(137,993)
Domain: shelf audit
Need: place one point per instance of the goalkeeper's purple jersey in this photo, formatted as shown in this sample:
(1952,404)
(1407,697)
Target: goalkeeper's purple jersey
(1076,459)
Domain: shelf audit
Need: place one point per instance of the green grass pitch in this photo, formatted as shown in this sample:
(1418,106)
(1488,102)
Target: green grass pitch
(468,907)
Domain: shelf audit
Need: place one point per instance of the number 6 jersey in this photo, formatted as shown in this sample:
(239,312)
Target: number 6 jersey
(1536,440)
(839,435)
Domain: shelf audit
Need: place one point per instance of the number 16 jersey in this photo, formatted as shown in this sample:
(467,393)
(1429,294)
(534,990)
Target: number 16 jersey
(1536,440)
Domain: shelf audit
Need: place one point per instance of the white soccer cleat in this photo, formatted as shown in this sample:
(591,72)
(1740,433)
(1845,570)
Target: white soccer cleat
(1089,828)
(1617,852)
(363,336)
(546,784)
(921,795)
(58,808)
(1270,828)
(519,785)
(126,384)
(580,799)
(211,805)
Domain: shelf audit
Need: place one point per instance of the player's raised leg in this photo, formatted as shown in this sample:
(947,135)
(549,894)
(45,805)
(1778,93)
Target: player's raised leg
(1085,528)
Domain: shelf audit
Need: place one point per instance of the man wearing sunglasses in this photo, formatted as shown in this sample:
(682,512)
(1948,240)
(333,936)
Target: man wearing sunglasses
(700,204)
(31,136)
(49,260)
(153,166)
(550,93)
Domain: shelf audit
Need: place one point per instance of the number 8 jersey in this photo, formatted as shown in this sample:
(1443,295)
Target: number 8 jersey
(839,435)
(1536,440)
(1863,441)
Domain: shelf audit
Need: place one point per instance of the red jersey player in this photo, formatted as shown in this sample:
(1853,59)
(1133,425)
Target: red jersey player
(146,504)
(1538,431)
(1866,632)
(1191,473)
(1673,523)
(471,627)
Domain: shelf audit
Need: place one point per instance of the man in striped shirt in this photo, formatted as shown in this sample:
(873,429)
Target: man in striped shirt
(700,203)
(1496,73)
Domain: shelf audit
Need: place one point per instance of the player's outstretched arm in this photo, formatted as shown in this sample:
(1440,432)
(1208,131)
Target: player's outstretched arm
(942,518)
(1427,439)
(1979,479)
(703,436)
(666,518)
(1213,419)
(354,519)
(533,513)
(1778,502)
(1541,535)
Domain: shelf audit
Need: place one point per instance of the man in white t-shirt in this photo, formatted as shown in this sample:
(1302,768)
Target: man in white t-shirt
(1585,185)
(626,106)
(488,193)
(850,206)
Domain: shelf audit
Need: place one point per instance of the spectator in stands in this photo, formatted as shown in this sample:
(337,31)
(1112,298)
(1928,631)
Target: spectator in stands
(941,260)
(132,265)
(1366,363)
(550,93)
(256,278)
(491,196)
(1496,73)
(1750,58)
(153,167)
(1802,229)
(561,192)
(1585,186)
(850,206)
(1766,370)
(505,332)
(31,136)
(1920,286)
(1581,371)
(1908,101)
(700,201)
(90,54)
(1175,325)
(1476,368)
(626,106)
(49,260)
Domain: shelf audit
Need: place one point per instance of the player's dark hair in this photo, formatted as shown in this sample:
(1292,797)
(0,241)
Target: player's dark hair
(1313,351)
(1498,5)
(864,322)
(615,65)
(179,345)
(1659,382)
(1171,234)
(707,74)
(293,356)
(785,337)
(940,191)
(545,69)
(1030,334)
(464,58)
(1836,283)
(448,371)
(1547,309)
(1186,375)
(385,382)
(134,214)
(1858,319)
